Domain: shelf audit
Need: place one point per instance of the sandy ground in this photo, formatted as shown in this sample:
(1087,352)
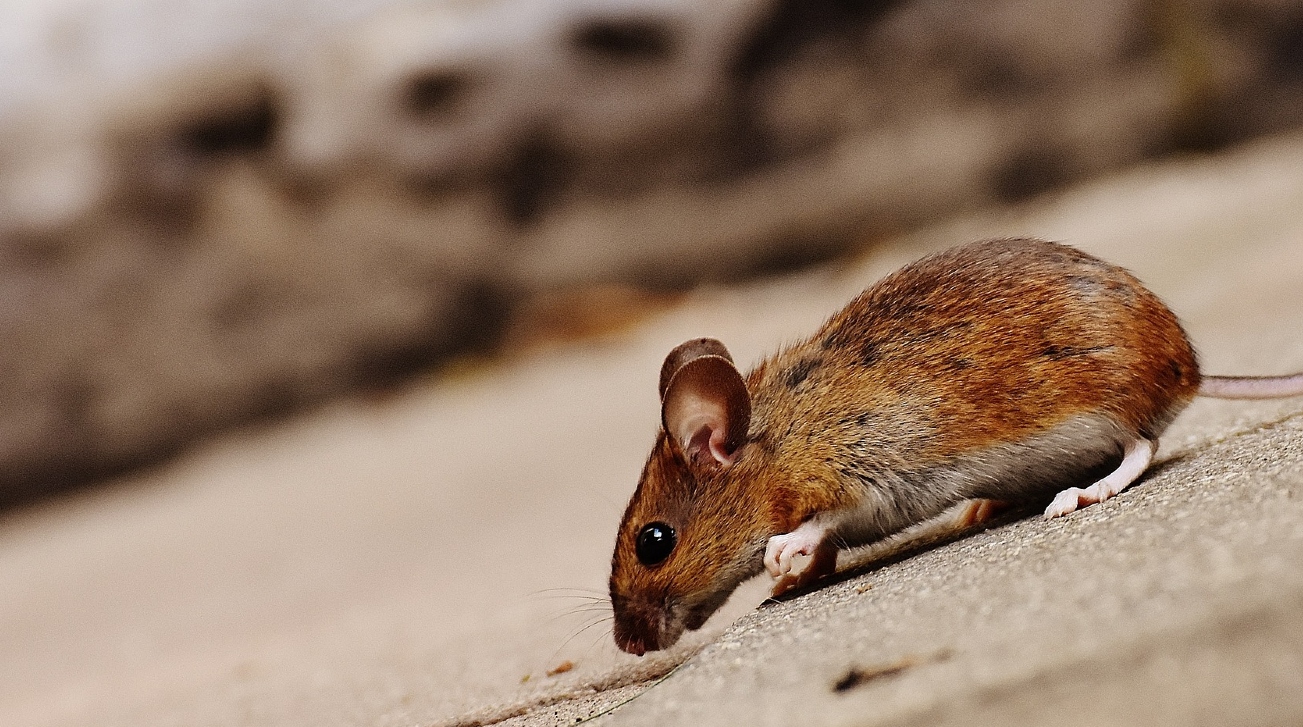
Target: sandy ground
(427,558)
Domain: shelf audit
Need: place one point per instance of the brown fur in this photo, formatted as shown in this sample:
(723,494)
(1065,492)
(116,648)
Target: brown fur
(943,381)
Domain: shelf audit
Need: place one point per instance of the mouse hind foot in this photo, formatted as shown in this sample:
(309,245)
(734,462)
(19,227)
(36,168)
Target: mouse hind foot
(1136,458)
(978,512)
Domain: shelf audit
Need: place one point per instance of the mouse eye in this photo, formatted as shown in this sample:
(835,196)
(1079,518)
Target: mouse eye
(655,541)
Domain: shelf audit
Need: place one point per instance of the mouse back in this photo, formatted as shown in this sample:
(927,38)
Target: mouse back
(998,369)
(996,341)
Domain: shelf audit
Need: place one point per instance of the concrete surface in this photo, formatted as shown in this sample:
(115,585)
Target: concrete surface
(392,561)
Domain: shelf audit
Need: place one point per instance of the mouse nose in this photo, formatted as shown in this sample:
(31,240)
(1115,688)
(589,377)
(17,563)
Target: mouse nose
(637,629)
(631,645)
(636,638)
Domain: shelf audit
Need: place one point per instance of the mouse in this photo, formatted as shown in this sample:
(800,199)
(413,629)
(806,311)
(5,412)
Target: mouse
(1009,371)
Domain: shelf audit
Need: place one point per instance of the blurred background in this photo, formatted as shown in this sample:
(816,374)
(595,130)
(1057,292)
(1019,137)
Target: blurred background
(212,212)
(442,248)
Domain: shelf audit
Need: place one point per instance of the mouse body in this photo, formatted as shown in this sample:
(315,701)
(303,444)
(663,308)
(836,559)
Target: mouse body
(1014,370)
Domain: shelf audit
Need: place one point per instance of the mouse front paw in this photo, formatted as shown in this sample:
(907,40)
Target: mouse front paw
(809,539)
(783,548)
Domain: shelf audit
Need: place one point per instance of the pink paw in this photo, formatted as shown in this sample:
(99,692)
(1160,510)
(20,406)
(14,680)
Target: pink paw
(1136,457)
(809,539)
(783,548)
(977,512)
(1074,498)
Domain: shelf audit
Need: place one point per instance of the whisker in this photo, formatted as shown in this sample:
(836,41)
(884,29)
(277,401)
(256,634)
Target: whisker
(590,599)
(598,640)
(577,633)
(580,610)
(580,599)
(590,609)
(571,589)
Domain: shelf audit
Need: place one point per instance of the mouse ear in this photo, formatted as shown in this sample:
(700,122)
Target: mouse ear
(705,407)
(685,352)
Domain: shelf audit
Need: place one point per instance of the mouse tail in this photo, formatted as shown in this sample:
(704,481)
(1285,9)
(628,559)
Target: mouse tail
(1251,387)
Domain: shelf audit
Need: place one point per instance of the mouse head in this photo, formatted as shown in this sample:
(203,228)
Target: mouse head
(691,533)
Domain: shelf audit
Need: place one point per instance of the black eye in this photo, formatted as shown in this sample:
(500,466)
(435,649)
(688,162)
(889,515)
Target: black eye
(655,541)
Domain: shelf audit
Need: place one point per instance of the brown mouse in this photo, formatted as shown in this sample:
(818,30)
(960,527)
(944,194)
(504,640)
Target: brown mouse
(1006,370)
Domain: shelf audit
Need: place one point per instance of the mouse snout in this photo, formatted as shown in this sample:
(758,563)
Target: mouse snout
(641,626)
(632,644)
